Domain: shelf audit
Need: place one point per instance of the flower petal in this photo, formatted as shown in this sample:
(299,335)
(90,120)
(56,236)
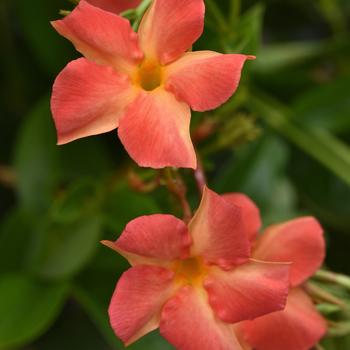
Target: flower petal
(154,238)
(155,131)
(115,6)
(299,326)
(138,299)
(218,232)
(250,212)
(204,79)
(248,291)
(188,323)
(299,241)
(87,99)
(101,36)
(170,27)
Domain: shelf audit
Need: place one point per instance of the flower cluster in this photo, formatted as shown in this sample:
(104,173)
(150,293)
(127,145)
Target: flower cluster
(213,283)
(214,273)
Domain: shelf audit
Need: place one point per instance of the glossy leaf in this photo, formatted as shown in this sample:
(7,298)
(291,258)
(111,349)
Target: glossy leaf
(248,31)
(28,307)
(326,106)
(16,236)
(255,169)
(318,143)
(37,159)
(63,250)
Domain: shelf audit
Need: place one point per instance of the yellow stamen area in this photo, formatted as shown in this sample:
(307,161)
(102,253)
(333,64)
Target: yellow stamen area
(191,271)
(149,75)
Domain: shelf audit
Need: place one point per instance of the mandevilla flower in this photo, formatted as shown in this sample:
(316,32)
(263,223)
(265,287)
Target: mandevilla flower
(299,326)
(116,6)
(193,282)
(142,83)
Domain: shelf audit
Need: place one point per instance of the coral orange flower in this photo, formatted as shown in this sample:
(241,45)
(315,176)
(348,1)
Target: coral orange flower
(193,281)
(142,83)
(299,326)
(116,6)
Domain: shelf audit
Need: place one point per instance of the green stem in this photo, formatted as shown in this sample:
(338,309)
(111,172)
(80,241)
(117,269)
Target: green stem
(140,11)
(329,276)
(320,294)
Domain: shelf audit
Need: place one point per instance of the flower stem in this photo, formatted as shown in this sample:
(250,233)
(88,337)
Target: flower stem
(140,11)
(199,175)
(177,187)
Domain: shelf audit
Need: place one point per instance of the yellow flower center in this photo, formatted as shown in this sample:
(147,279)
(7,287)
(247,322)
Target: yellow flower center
(190,271)
(149,75)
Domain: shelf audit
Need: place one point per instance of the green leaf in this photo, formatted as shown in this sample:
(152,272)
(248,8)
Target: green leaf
(98,314)
(27,308)
(123,205)
(36,159)
(35,17)
(152,341)
(16,235)
(94,287)
(248,31)
(283,203)
(337,343)
(325,194)
(326,106)
(80,198)
(41,165)
(275,57)
(318,143)
(62,249)
(87,158)
(334,15)
(254,169)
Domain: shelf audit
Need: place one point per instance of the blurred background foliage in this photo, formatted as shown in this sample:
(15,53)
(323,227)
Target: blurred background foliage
(283,139)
